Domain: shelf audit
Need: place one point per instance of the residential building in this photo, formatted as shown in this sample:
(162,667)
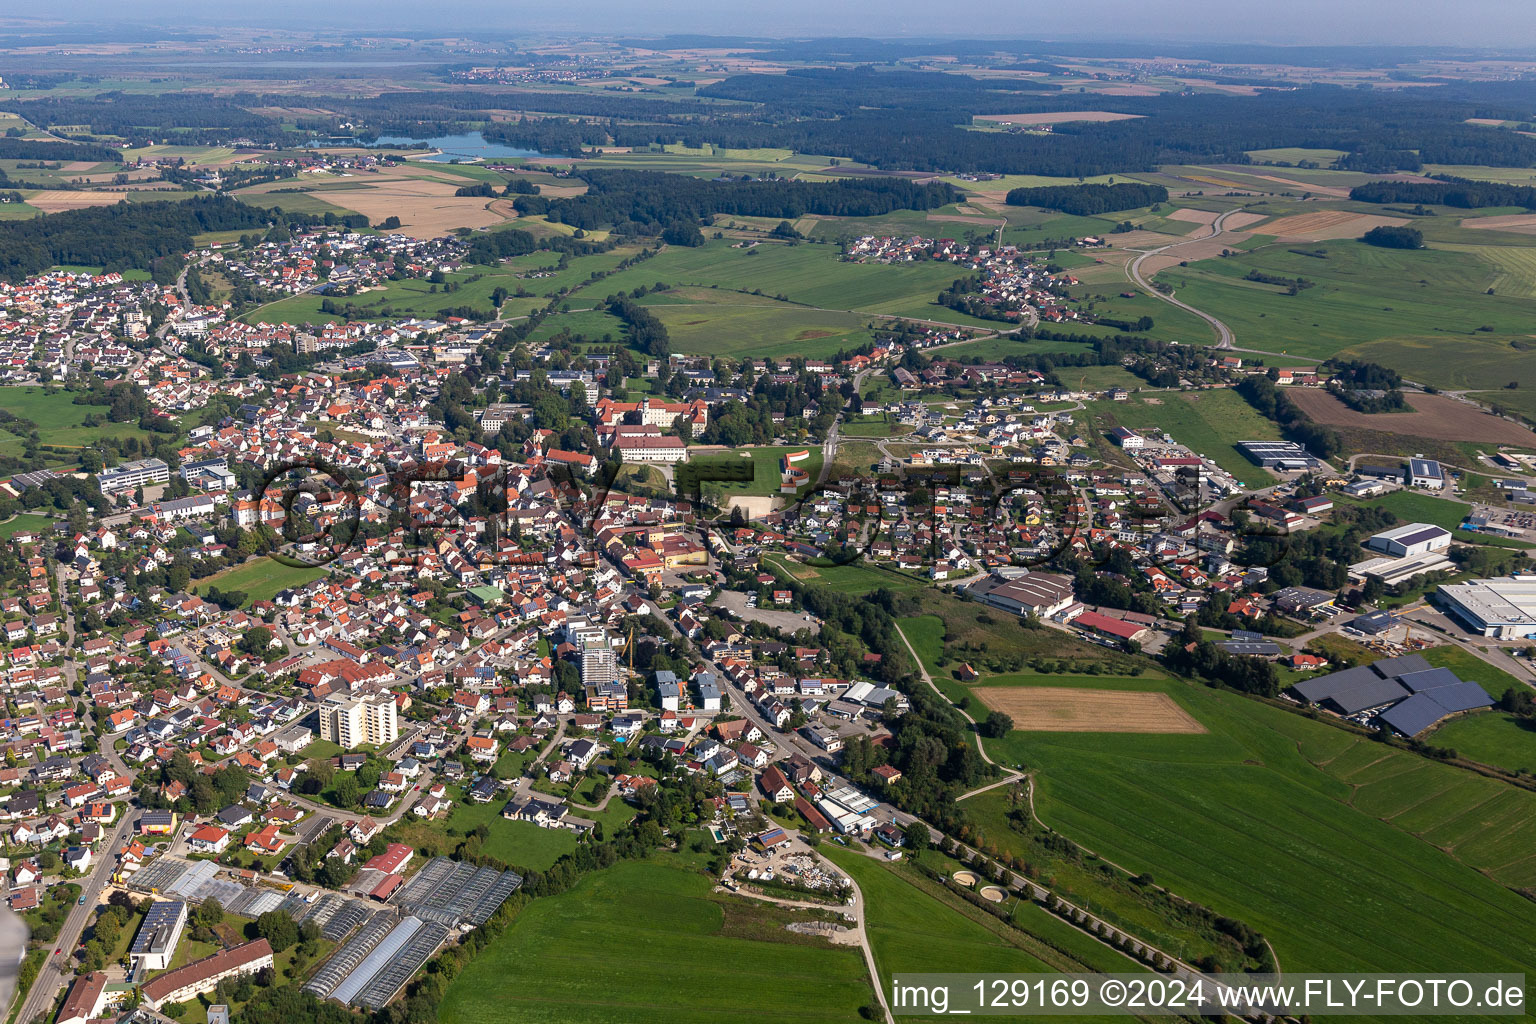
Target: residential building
(185,983)
(354,721)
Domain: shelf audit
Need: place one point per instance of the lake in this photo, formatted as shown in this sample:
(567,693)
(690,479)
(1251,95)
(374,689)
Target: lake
(469,146)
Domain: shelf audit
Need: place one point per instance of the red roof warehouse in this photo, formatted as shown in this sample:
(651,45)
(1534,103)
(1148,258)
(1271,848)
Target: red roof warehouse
(1106,626)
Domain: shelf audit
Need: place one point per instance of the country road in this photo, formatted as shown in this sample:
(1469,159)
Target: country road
(1224,334)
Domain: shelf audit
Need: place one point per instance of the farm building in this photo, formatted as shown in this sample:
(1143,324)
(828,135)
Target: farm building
(1115,629)
(1041,594)
(1127,439)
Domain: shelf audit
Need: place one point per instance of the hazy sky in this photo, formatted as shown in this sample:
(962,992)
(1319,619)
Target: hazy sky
(1499,23)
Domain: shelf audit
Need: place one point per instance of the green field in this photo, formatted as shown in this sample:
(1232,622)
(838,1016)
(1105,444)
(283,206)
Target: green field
(915,926)
(648,942)
(260,578)
(766,475)
(59,421)
(810,274)
(1417,311)
(26,521)
(1491,737)
(1296,154)
(519,843)
(855,578)
(1209,422)
(1300,829)
(412,297)
(723,323)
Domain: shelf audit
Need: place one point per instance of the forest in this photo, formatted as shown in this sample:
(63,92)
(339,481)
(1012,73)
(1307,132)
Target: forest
(645,202)
(893,119)
(1088,200)
(132,235)
(1457,192)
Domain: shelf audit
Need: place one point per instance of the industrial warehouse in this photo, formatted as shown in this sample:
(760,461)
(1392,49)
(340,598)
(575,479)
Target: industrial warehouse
(1504,609)
(1405,693)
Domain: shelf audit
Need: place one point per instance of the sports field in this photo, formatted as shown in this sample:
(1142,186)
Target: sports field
(1072,709)
(647,942)
(260,578)
(1301,830)
(856,578)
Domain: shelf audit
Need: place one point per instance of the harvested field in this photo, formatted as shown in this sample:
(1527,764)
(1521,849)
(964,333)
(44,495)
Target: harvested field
(1241,219)
(1315,227)
(1194,216)
(1141,240)
(1327,190)
(1056,117)
(1433,416)
(1067,709)
(425,206)
(1191,251)
(1522,223)
(54,201)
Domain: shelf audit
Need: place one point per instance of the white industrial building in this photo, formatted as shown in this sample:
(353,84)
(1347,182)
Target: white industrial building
(1392,571)
(1410,539)
(1504,608)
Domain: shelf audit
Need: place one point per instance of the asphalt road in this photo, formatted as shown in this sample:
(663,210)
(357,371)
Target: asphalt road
(57,970)
(1133,269)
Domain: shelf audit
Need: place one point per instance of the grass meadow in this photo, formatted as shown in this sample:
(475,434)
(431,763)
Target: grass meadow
(1300,829)
(1421,312)
(645,942)
(59,421)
